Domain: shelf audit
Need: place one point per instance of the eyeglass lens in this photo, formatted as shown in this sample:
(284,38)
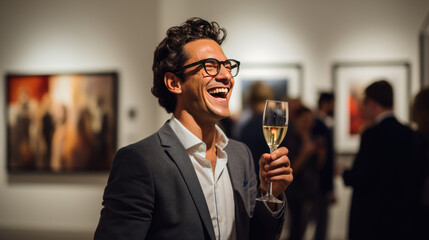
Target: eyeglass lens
(212,67)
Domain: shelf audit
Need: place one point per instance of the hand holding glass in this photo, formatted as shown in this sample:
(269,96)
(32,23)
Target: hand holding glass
(274,125)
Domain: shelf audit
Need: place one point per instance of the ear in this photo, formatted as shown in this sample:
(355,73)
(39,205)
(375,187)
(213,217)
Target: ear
(173,83)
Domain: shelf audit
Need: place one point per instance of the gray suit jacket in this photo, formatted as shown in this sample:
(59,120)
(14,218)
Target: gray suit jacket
(153,193)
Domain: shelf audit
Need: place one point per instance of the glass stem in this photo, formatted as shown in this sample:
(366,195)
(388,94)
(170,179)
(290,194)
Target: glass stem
(270,184)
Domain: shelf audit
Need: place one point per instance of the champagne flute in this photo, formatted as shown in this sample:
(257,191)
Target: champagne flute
(274,125)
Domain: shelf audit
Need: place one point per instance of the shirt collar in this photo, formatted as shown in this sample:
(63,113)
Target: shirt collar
(189,140)
(221,139)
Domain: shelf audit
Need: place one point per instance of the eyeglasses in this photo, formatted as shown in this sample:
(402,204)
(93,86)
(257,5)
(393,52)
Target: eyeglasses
(212,66)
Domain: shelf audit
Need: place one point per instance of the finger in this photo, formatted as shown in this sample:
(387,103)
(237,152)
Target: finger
(283,161)
(270,175)
(285,179)
(278,172)
(279,152)
(279,175)
(264,159)
(272,167)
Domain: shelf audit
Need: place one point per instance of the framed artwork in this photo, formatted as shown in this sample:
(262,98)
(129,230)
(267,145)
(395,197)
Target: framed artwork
(424,53)
(350,80)
(61,122)
(285,80)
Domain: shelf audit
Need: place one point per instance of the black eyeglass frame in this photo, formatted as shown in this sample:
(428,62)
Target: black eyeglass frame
(203,62)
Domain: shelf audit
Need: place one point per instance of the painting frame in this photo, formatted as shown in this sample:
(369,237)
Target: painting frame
(424,53)
(291,72)
(350,79)
(61,122)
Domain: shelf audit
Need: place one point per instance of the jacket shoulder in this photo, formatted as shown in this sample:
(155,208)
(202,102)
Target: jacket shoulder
(236,146)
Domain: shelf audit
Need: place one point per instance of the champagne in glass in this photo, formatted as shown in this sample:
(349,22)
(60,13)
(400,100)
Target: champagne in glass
(274,135)
(274,125)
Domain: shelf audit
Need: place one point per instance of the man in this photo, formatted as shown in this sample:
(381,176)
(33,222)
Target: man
(188,181)
(322,132)
(385,173)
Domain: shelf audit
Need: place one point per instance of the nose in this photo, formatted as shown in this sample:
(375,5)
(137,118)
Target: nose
(224,74)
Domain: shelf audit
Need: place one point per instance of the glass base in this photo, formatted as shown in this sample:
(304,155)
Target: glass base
(269,198)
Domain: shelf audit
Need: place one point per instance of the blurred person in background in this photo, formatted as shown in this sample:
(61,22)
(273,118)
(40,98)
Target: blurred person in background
(386,173)
(251,133)
(294,104)
(420,116)
(323,135)
(307,157)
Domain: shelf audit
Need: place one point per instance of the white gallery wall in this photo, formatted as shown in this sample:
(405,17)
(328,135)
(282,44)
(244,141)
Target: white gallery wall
(313,33)
(48,36)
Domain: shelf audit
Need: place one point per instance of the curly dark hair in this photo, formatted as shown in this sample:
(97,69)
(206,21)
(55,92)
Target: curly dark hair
(170,57)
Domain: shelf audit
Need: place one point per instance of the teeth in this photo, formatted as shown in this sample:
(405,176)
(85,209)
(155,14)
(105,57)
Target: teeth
(218,90)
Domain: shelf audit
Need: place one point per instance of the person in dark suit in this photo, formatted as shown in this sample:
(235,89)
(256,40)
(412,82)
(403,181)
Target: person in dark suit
(385,175)
(323,135)
(188,180)
(420,116)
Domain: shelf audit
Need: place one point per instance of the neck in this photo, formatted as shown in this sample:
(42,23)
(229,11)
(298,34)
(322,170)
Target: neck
(204,130)
(382,114)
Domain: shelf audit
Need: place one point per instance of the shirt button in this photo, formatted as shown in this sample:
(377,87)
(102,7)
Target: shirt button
(202,148)
(220,220)
(217,185)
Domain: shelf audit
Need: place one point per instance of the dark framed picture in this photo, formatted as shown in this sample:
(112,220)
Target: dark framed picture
(61,122)
(350,80)
(424,53)
(285,80)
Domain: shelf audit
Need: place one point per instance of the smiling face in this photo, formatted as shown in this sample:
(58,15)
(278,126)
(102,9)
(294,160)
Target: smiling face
(204,97)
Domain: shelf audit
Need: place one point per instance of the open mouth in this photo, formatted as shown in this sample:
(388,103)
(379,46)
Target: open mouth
(219,92)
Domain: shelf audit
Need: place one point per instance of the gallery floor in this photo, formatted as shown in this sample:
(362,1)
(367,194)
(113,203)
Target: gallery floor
(338,219)
(337,223)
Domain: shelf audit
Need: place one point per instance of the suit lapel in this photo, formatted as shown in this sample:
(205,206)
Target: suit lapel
(239,182)
(175,150)
(236,173)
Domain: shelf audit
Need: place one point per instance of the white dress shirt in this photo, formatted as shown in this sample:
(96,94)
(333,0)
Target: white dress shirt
(217,187)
